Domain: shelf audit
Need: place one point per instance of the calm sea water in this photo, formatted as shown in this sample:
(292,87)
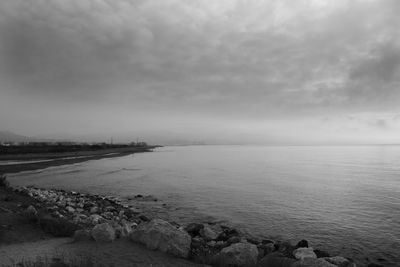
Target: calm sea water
(345,200)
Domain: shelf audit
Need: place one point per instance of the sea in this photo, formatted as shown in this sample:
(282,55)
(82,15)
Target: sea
(342,199)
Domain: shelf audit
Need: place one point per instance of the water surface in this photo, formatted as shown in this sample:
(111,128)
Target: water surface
(342,199)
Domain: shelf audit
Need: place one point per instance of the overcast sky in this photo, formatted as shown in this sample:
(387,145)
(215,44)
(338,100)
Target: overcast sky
(226,71)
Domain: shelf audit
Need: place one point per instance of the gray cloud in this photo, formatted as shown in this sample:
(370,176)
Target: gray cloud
(229,59)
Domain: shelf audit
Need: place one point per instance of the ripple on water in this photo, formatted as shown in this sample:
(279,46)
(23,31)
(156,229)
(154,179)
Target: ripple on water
(342,199)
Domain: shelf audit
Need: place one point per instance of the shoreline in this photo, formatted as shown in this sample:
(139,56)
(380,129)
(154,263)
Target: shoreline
(59,159)
(99,219)
(204,247)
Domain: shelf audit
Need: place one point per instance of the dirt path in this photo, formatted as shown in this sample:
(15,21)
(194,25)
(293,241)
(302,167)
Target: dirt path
(119,253)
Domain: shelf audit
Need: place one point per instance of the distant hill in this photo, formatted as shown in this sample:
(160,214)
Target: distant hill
(6,136)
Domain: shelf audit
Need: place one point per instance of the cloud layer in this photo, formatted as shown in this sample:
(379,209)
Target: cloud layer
(239,61)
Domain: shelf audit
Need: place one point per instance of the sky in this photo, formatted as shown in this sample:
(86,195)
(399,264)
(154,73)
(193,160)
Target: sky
(219,72)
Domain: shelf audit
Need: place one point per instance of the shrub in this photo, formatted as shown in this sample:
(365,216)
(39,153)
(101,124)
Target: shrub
(3,181)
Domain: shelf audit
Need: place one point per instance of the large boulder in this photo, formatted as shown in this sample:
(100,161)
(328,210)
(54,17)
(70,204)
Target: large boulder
(161,235)
(302,253)
(238,254)
(103,233)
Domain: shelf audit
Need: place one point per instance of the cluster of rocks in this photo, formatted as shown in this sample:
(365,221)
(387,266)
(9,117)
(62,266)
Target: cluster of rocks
(84,210)
(225,246)
(104,219)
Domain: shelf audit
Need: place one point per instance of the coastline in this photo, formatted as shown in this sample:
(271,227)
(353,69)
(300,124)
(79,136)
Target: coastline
(58,159)
(205,245)
(99,220)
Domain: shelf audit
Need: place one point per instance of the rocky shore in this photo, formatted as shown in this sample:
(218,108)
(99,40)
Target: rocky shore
(96,218)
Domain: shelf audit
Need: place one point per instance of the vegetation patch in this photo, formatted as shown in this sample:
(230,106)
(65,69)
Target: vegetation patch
(58,227)
(60,261)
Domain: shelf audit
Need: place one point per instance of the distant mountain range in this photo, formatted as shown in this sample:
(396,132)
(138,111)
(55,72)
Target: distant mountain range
(6,136)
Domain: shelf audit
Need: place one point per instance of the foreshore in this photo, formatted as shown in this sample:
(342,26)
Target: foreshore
(99,221)
(44,160)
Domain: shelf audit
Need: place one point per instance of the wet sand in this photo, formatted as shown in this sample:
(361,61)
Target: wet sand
(44,160)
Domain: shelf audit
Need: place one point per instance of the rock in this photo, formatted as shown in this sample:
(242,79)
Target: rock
(52,208)
(374,265)
(254,241)
(80,219)
(70,209)
(194,228)
(211,243)
(233,240)
(108,215)
(95,219)
(121,213)
(161,235)
(261,253)
(302,253)
(221,244)
(31,213)
(118,230)
(239,254)
(110,208)
(197,242)
(321,253)
(276,259)
(207,233)
(57,214)
(94,210)
(302,244)
(286,248)
(61,203)
(267,248)
(338,260)
(227,232)
(127,229)
(82,235)
(103,233)
(313,262)
(266,241)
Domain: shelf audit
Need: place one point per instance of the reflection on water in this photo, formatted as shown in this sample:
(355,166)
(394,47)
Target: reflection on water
(342,199)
